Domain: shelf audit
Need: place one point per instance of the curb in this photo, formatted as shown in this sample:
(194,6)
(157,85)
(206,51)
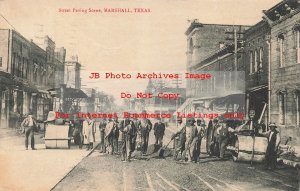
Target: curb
(90,152)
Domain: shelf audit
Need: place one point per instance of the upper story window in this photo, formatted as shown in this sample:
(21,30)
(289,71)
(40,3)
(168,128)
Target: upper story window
(261,54)
(0,61)
(191,46)
(255,61)
(251,62)
(297,30)
(281,45)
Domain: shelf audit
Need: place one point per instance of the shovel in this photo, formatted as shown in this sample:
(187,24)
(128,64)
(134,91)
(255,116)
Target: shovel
(162,150)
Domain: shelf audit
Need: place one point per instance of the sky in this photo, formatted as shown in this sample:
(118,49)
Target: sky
(125,42)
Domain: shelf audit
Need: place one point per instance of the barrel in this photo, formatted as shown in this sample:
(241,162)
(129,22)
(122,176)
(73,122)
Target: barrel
(244,148)
(57,137)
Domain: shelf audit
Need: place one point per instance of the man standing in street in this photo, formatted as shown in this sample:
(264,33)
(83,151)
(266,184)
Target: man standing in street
(191,133)
(159,132)
(116,134)
(102,126)
(144,126)
(181,138)
(223,134)
(128,130)
(200,134)
(88,130)
(214,145)
(272,148)
(109,136)
(28,124)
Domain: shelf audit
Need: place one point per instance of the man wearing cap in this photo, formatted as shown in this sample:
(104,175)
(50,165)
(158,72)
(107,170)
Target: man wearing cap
(180,139)
(144,126)
(191,133)
(116,134)
(222,137)
(28,125)
(128,130)
(213,144)
(109,136)
(197,140)
(102,126)
(272,148)
(88,130)
(159,132)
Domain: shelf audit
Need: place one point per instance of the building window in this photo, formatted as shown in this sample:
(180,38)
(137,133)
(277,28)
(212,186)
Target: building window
(281,43)
(0,61)
(255,61)
(261,54)
(282,113)
(251,62)
(298,44)
(298,109)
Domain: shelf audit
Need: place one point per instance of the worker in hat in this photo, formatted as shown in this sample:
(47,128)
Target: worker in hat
(190,146)
(212,142)
(109,136)
(200,125)
(180,139)
(223,136)
(88,129)
(272,148)
(144,127)
(28,125)
(102,125)
(129,131)
(159,132)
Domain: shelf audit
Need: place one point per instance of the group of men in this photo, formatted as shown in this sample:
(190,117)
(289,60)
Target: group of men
(134,135)
(188,140)
(189,136)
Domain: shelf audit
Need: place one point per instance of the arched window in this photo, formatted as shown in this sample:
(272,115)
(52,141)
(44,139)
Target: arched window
(282,107)
(255,61)
(281,45)
(261,54)
(297,32)
(251,61)
(191,45)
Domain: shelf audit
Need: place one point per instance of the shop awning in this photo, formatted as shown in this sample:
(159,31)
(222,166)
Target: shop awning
(68,93)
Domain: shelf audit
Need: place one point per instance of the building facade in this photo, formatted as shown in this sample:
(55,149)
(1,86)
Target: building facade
(284,19)
(27,71)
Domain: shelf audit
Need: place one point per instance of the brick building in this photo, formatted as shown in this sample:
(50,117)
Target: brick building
(256,61)
(284,19)
(211,49)
(27,71)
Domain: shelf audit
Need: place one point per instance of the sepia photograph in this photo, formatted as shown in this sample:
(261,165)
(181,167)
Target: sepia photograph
(130,95)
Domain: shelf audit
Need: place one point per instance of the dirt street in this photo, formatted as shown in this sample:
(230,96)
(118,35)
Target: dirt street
(107,172)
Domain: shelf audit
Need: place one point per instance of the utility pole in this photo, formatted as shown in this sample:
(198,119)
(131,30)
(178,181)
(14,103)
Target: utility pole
(238,39)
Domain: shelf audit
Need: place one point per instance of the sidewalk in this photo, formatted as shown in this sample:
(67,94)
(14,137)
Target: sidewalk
(35,170)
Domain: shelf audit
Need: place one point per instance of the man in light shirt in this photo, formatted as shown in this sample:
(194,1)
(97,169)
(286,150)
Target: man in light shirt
(28,125)
(272,148)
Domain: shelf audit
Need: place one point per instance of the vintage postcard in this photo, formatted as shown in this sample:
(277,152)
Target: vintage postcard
(149,95)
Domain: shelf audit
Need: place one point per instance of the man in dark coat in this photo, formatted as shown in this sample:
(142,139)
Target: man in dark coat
(144,126)
(272,148)
(180,141)
(209,132)
(128,130)
(116,134)
(212,138)
(102,126)
(159,132)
